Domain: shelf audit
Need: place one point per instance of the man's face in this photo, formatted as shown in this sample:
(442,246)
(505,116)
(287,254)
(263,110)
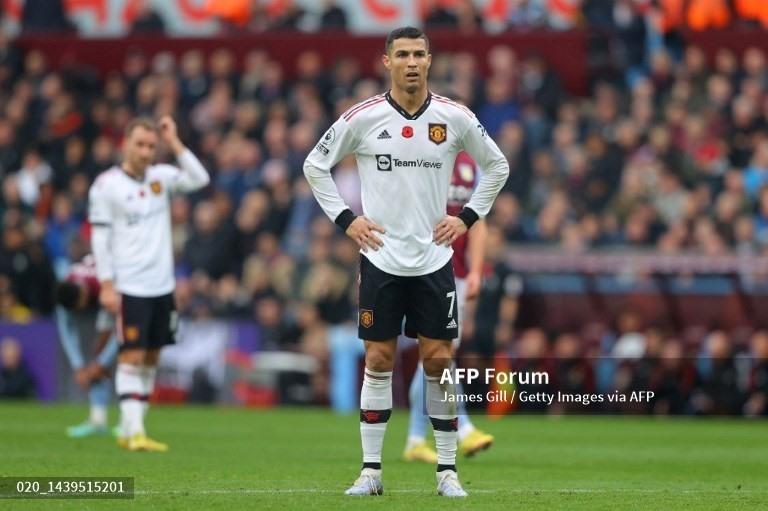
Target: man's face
(139,147)
(408,62)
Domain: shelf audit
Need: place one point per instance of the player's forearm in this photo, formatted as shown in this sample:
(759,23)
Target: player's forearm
(101,341)
(494,177)
(108,353)
(102,252)
(327,195)
(476,246)
(194,176)
(70,340)
(177,146)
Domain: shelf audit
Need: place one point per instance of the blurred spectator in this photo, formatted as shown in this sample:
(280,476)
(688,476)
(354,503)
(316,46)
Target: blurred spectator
(147,20)
(718,392)
(673,380)
(34,173)
(210,246)
(438,16)
(756,173)
(16,382)
(573,372)
(757,401)
(10,309)
(26,263)
(10,59)
(333,17)
(528,13)
(44,16)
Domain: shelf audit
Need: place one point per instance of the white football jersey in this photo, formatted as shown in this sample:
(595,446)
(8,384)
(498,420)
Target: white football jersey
(138,213)
(405,163)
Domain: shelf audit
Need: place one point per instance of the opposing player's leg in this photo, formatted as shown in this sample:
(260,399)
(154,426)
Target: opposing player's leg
(416,448)
(380,322)
(471,439)
(104,361)
(69,337)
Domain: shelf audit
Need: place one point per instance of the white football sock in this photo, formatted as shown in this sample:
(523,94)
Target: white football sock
(465,428)
(444,419)
(375,409)
(98,415)
(148,374)
(130,392)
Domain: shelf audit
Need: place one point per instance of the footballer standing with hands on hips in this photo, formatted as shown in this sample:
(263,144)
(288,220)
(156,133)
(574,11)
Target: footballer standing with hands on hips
(129,210)
(405,142)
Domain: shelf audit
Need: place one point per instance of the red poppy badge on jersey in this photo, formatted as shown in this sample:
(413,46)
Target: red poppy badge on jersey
(407,132)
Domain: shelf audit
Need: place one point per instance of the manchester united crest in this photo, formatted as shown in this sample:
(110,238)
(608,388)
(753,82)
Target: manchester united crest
(131,333)
(156,187)
(438,133)
(366,318)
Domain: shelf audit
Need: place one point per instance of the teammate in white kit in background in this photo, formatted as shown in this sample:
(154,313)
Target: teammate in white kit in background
(468,256)
(77,299)
(405,143)
(130,213)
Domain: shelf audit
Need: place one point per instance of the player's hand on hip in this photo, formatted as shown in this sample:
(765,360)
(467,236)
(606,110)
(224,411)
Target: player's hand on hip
(109,299)
(363,231)
(448,230)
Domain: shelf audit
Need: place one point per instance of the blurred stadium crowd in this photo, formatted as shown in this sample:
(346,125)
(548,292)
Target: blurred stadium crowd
(465,16)
(697,373)
(672,156)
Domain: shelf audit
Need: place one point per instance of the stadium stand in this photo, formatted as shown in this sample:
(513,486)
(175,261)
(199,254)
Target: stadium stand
(667,153)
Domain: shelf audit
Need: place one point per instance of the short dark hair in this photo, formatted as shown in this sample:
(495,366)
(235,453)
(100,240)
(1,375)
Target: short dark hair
(405,33)
(143,122)
(68,294)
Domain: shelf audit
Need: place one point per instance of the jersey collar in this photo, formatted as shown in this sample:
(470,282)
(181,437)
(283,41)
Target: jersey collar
(132,177)
(403,112)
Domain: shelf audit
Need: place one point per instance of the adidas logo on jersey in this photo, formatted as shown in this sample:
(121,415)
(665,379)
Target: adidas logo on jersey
(452,324)
(383,135)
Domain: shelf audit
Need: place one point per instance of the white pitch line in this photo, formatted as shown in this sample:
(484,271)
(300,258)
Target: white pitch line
(274,492)
(279,491)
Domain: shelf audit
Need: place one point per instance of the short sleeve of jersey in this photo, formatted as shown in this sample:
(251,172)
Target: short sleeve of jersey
(99,207)
(337,142)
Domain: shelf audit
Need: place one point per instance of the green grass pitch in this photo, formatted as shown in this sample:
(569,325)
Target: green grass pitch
(232,459)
